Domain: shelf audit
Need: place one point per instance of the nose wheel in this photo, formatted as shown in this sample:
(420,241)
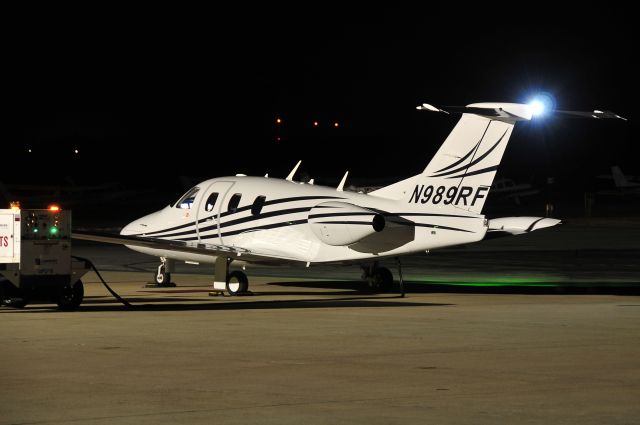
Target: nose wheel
(162,277)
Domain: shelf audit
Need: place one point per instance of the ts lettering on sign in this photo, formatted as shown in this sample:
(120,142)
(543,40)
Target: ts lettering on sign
(4,241)
(453,195)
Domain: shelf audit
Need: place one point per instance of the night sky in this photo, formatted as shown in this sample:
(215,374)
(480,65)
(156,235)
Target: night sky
(159,93)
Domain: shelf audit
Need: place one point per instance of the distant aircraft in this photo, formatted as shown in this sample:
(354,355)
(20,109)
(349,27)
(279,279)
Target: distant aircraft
(264,220)
(624,185)
(507,188)
(622,182)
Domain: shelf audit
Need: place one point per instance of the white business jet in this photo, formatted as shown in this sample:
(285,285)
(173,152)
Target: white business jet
(266,220)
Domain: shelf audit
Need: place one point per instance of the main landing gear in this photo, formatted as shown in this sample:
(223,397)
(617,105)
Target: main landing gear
(380,278)
(234,283)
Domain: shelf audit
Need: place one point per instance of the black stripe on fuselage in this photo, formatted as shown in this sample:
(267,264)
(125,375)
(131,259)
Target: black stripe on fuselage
(255,217)
(345,222)
(437,226)
(345,214)
(325,215)
(240,220)
(388,214)
(250,229)
(302,221)
(245,208)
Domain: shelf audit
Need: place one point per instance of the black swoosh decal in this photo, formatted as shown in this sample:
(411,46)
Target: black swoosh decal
(475,161)
(475,173)
(461,160)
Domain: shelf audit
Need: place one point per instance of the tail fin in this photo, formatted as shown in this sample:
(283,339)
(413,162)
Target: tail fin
(618,177)
(461,172)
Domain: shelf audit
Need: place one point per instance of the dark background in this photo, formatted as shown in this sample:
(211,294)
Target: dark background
(148,95)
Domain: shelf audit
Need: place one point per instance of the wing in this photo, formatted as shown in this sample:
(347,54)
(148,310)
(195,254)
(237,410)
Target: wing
(213,250)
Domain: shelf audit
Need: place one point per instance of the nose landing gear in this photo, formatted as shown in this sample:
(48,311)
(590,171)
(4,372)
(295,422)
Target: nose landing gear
(162,277)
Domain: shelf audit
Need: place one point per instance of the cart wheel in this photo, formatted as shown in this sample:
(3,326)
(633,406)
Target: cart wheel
(71,296)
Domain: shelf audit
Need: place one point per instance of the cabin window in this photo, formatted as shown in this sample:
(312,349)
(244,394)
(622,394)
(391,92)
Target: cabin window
(211,201)
(234,202)
(258,204)
(186,201)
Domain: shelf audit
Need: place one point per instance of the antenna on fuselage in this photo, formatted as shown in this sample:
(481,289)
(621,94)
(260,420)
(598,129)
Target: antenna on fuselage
(342,182)
(293,172)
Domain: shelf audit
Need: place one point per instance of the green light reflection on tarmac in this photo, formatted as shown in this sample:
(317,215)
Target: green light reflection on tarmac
(497,282)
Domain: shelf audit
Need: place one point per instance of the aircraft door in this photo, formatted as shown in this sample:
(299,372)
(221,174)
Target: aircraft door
(209,211)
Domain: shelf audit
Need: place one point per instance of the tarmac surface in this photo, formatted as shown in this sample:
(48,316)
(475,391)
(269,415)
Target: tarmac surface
(543,328)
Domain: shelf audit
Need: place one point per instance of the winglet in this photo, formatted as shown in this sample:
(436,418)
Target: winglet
(430,108)
(311,181)
(266,175)
(342,182)
(595,114)
(293,172)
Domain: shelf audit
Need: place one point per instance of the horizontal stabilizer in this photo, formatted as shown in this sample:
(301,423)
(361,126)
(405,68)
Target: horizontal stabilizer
(514,111)
(595,114)
(520,225)
(509,111)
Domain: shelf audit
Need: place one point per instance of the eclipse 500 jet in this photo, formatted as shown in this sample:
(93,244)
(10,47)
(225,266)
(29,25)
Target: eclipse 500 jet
(238,220)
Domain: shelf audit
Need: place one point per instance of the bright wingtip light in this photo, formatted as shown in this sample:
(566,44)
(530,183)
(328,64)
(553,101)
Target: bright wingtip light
(542,104)
(537,108)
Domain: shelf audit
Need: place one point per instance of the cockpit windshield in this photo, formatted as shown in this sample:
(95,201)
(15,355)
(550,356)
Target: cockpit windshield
(187,199)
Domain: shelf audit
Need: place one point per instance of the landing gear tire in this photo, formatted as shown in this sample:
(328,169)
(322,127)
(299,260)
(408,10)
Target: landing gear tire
(237,283)
(381,279)
(162,278)
(70,297)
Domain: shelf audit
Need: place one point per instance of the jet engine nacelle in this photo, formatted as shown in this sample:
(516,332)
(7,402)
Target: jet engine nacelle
(340,223)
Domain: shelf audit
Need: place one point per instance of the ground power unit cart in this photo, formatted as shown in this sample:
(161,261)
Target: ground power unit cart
(35,258)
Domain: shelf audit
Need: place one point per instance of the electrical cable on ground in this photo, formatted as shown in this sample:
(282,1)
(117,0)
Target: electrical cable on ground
(115,295)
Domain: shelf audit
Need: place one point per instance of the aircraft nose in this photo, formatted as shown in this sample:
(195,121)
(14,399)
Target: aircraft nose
(133,228)
(142,225)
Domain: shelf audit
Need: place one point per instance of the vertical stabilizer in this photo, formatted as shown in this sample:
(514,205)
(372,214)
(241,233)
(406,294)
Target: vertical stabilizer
(460,174)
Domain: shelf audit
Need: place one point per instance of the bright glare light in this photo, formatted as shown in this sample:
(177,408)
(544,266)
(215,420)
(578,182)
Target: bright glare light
(537,108)
(315,123)
(278,121)
(542,104)
(75,151)
(335,124)
(54,208)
